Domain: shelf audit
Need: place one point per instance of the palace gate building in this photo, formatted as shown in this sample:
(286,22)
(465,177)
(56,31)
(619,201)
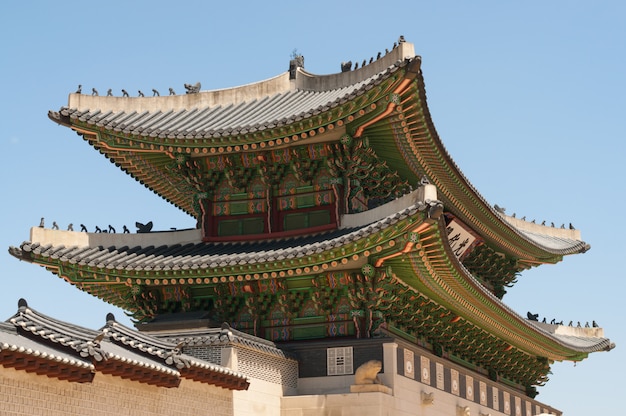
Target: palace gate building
(341,264)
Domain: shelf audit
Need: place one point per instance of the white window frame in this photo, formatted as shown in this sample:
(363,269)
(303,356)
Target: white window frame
(339,361)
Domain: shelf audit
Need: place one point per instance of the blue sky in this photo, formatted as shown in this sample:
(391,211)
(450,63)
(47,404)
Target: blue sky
(528,98)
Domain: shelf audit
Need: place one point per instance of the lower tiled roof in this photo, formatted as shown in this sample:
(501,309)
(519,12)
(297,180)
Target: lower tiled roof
(201,255)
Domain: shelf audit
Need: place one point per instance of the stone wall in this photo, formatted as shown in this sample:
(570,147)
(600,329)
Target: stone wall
(261,399)
(30,394)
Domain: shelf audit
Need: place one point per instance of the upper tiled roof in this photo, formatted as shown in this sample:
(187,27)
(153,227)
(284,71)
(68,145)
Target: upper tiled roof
(246,117)
(556,243)
(211,114)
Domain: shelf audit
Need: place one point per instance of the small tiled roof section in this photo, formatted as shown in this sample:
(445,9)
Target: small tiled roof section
(171,354)
(203,255)
(213,122)
(38,357)
(66,351)
(220,337)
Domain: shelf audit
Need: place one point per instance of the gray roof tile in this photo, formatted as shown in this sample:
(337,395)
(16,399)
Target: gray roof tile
(558,244)
(32,333)
(219,120)
(202,255)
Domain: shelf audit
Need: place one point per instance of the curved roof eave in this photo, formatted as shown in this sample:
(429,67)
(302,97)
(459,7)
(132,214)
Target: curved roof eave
(458,193)
(451,284)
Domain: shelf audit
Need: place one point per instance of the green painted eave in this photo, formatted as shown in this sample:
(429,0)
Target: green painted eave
(148,159)
(434,271)
(407,139)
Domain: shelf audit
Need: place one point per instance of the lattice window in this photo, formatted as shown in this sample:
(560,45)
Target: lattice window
(306,219)
(339,361)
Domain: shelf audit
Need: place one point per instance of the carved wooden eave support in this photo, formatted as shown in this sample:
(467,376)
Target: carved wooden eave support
(434,212)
